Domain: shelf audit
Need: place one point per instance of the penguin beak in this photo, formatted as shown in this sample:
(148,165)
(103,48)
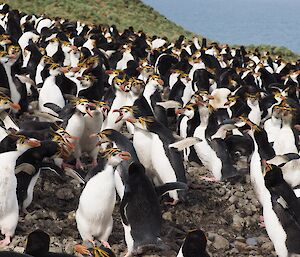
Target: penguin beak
(33,142)
(131,119)
(179,111)
(75,69)
(210,97)
(105,110)
(80,78)
(88,111)
(160,82)
(108,72)
(125,155)
(15,106)
(120,115)
(267,167)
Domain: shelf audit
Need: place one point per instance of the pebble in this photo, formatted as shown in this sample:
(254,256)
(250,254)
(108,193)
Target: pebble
(219,242)
(267,247)
(238,222)
(240,246)
(251,241)
(167,216)
(64,194)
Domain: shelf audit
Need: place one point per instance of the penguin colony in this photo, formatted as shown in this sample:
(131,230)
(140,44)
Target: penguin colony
(129,112)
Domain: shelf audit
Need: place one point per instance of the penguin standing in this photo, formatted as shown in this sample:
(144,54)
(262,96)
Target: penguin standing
(9,211)
(96,204)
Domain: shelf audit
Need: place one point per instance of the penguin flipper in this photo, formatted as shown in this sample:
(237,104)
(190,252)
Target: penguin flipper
(185,143)
(169,104)
(53,107)
(54,168)
(161,190)
(123,205)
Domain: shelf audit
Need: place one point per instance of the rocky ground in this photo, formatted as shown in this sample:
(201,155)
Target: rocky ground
(228,213)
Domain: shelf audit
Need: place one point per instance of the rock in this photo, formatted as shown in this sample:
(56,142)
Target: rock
(167,216)
(238,222)
(262,239)
(240,246)
(251,241)
(64,194)
(233,199)
(239,194)
(230,209)
(220,242)
(267,247)
(69,246)
(19,249)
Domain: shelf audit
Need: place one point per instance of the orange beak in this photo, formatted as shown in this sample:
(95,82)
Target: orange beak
(210,97)
(75,69)
(125,155)
(108,72)
(88,111)
(160,82)
(15,106)
(33,142)
(120,115)
(131,119)
(80,78)
(179,111)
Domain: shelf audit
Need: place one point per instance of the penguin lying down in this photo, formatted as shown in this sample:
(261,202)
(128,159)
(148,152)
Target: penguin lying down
(140,210)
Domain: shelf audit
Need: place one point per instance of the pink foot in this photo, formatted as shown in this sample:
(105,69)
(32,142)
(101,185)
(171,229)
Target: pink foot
(261,222)
(5,241)
(172,203)
(79,164)
(209,179)
(94,163)
(105,244)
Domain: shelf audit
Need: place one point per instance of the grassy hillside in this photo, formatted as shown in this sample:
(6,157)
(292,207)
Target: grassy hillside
(123,13)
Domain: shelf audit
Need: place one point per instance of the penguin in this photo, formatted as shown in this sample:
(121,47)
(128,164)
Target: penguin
(166,161)
(140,211)
(286,206)
(95,200)
(50,91)
(194,245)
(28,168)
(9,212)
(38,243)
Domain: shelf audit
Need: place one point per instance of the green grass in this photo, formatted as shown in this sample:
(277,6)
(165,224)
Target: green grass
(123,13)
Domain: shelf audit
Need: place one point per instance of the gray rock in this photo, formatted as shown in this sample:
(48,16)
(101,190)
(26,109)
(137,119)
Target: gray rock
(251,241)
(64,194)
(267,247)
(220,242)
(240,246)
(167,216)
(233,199)
(238,222)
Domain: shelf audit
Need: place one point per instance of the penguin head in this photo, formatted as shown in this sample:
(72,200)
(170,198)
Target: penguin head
(115,156)
(141,122)
(54,69)
(5,40)
(125,112)
(188,111)
(101,106)
(6,103)
(272,174)
(194,243)
(184,78)
(66,47)
(84,106)
(23,143)
(146,69)
(37,243)
(156,81)
(231,100)
(87,80)
(121,84)
(137,86)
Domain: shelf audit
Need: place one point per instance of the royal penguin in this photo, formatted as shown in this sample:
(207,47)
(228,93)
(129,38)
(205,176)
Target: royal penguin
(38,244)
(9,211)
(286,206)
(194,245)
(96,204)
(6,104)
(28,168)
(140,211)
(166,161)
(50,91)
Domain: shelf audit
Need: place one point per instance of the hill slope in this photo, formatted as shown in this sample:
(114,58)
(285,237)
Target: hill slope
(123,13)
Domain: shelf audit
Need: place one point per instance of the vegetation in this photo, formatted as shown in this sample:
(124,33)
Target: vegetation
(123,13)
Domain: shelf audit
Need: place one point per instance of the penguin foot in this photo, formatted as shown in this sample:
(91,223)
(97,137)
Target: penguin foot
(261,222)
(79,164)
(172,203)
(94,163)
(5,241)
(106,244)
(209,179)
(82,249)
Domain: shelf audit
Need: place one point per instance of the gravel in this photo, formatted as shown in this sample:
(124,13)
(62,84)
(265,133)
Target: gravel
(228,213)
